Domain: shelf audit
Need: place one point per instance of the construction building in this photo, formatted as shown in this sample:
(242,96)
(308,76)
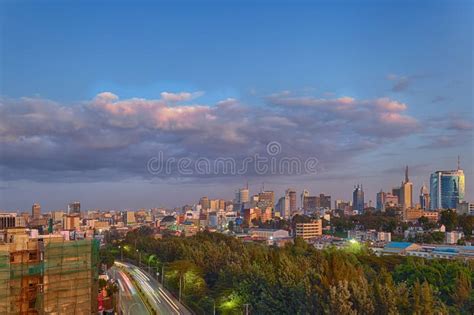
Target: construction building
(46,274)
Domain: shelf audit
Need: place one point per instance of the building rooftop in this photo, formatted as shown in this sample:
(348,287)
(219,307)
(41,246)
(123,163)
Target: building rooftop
(398,244)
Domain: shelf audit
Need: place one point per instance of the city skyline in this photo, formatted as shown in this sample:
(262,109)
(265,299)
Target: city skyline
(365,92)
(241,196)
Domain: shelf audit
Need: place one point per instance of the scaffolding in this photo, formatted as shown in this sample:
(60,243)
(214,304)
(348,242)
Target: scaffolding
(52,276)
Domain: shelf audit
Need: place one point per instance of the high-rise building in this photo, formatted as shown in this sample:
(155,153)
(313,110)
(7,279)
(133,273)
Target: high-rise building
(311,204)
(74,208)
(36,211)
(241,198)
(204,202)
(380,203)
(304,193)
(266,199)
(424,198)
(324,201)
(396,191)
(71,222)
(57,216)
(291,193)
(391,200)
(358,199)
(46,274)
(221,204)
(406,192)
(128,217)
(283,206)
(214,204)
(446,189)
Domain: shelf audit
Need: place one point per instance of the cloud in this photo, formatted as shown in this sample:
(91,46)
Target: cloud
(460,124)
(180,97)
(376,118)
(110,135)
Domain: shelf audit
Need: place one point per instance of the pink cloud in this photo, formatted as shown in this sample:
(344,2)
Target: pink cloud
(179,97)
(386,104)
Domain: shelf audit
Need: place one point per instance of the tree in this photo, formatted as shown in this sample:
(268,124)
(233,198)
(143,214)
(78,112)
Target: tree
(361,296)
(340,299)
(438,237)
(403,298)
(427,299)
(384,293)
(466,222)
(299,279)
(462,291)
(449,219)
(423,221)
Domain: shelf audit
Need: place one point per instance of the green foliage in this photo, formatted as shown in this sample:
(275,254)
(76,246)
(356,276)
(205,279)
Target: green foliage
(298,279)
(107,255)
(466,222)
(450,219)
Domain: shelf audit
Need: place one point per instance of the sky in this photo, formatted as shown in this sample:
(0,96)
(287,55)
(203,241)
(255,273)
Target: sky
(95,96)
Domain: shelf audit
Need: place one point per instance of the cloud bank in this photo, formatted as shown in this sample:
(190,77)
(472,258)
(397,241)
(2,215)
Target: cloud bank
(114,136)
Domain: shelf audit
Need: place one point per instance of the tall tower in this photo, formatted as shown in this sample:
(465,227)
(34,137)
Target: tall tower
(447,189)
(424,198)
(74,208)
(304,194)
(358,198)
(36,211)
(406,192)
(291,193)
(380,203)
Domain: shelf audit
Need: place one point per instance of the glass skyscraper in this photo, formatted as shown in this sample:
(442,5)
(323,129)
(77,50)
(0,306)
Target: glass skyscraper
(358,199)
(446,189)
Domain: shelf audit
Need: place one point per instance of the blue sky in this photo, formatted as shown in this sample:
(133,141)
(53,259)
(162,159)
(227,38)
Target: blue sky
(63,54)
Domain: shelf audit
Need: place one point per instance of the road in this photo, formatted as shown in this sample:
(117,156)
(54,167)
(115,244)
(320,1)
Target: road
(161,300)
(129,299)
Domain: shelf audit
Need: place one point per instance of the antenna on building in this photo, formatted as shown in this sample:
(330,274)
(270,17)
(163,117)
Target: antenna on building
(406,175)
(459,162)
(247,184)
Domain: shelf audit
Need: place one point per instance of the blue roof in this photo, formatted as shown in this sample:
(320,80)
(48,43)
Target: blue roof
(398,244)
(446,249)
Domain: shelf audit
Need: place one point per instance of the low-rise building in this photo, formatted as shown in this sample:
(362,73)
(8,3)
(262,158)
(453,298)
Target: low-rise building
(453,237)
(309,230)
(399,248)
(268,233)
(369,235)
(465,207)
